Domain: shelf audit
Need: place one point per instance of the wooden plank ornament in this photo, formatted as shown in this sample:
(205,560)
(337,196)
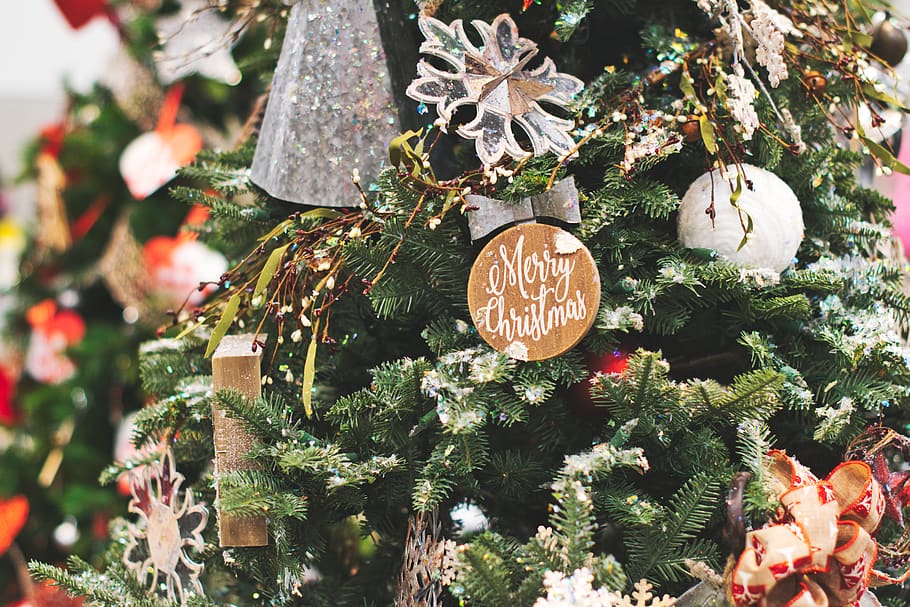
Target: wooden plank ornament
(534,291)
(235,365)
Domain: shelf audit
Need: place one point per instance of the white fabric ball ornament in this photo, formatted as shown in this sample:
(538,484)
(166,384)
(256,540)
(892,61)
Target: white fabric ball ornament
(776,218)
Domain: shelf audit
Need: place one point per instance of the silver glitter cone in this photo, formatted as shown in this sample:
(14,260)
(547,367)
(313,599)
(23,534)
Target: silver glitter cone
(331,109)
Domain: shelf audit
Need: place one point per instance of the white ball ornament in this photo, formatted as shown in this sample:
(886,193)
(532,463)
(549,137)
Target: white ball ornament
(777,220)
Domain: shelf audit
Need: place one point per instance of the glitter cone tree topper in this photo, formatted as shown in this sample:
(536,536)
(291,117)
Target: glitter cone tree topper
(331,108)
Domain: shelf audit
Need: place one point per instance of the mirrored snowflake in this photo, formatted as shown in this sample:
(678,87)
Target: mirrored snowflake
(169,522)
(493,78)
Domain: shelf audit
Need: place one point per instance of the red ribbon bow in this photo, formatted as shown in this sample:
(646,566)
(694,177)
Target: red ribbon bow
(820,552)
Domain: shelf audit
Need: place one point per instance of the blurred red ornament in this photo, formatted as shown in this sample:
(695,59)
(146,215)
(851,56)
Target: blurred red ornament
(153,159)
(99,526)
(48,318)
(9,415)
(48,595)
(13,514)
(196,218)
(611,361)
(52,138)
(80,12)
(125,451)
(178,265)
(53,331)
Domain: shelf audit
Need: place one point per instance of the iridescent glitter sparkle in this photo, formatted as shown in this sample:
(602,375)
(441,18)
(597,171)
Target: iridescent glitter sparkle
(331,108)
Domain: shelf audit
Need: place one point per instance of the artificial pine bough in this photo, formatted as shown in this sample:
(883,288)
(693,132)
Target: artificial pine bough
(385,416)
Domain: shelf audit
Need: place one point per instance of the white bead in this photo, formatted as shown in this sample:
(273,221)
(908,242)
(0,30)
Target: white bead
(775,212)
(66,533)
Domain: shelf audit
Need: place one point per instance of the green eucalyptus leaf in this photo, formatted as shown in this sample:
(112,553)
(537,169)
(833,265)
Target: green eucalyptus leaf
(870,91)
(707,134)
(309,376)
(269,269)
(885,156)
(686,86)
(224,323)
(734,197)
(399,148)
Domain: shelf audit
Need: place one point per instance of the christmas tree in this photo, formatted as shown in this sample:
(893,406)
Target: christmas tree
(587,307)
(110,253)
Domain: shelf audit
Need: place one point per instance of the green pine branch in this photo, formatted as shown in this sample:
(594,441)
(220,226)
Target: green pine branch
(658,552)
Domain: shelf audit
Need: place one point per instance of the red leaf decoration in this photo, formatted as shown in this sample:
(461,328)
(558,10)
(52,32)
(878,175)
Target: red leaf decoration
(9,414)
(80,12)
(13,514)
(52,139)
(47,317)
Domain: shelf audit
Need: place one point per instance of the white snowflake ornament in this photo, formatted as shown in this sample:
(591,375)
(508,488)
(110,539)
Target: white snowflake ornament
(492,77)
(169,522)
(576,590)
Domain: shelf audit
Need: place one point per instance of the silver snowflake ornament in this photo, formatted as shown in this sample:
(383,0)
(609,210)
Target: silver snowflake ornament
(169,523)
(493,77)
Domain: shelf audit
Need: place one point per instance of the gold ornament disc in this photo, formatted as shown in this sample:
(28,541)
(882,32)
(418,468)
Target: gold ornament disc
(534,291)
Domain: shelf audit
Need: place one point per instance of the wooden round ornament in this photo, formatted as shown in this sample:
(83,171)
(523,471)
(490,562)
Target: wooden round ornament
(534,291)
